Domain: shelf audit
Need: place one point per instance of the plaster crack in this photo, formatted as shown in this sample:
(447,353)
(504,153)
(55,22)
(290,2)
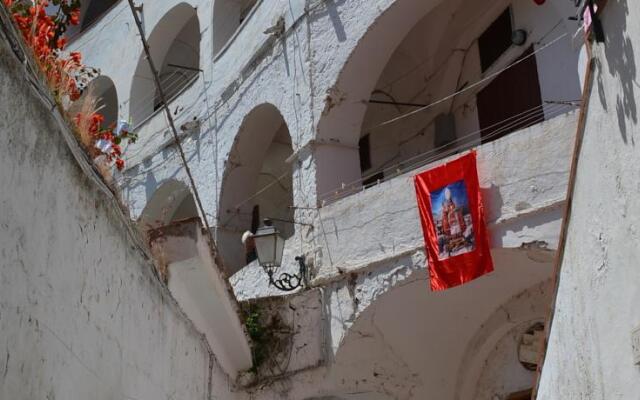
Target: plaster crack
(6,366)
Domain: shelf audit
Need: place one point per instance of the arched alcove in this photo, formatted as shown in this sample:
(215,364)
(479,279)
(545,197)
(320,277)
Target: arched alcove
(171,202)
(440,48)
(101,93)
(257,183)
(175,48)
(228,16)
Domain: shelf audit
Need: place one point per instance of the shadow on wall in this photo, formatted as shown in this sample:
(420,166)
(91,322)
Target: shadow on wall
(332,10)
(621,62)
(492,201)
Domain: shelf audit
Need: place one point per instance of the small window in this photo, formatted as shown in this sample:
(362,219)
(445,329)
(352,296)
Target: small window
(495,40)
(365,153)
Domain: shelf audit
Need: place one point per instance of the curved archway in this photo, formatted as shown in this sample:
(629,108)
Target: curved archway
(175,48)
(102,95)
(452,332)
(492,363)
(397,68)
(171,202)
(228,16)
(257,183)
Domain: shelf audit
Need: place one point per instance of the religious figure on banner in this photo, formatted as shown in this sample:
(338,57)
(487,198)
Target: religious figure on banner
(454,224)
(452,219)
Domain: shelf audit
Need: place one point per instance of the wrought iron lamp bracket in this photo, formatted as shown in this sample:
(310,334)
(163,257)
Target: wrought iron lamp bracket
(288,282)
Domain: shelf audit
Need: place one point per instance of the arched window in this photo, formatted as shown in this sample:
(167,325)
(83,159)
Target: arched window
(228,16)
(175,49)
(99,96)
(257,183)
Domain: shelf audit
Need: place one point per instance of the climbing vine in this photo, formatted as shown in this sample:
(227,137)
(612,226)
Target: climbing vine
(259,336)
(43,25)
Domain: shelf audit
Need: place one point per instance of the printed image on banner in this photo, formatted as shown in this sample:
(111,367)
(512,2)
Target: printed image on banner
(452,217)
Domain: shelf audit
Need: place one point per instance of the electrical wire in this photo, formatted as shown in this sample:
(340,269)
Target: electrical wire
(514,120)
(530,117)
(468,87)
(183,157)
(522,118)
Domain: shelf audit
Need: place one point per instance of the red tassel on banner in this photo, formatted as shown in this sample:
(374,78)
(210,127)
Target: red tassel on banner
(453,224)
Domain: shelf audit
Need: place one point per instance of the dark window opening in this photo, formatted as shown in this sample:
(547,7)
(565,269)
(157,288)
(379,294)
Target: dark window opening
(445,137)
(364,147)
(95,10)
(373,180)
(255,218)
(495,40)
(512,101)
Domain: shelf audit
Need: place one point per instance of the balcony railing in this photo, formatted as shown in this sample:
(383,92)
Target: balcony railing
(520,174)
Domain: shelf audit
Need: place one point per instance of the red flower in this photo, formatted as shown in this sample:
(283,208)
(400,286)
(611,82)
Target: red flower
(120,164)
(74,18)
(76,57)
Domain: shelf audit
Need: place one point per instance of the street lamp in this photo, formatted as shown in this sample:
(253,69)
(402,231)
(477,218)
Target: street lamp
(269,248)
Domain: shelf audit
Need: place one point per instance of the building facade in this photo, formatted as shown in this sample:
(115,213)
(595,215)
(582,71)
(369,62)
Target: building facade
(317,114)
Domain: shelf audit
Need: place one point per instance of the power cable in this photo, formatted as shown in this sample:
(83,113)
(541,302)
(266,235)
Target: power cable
(468,87)
(521,118)
(176,137)
(431,155)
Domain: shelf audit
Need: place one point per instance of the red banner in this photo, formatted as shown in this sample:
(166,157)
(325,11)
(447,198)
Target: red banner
(453,223)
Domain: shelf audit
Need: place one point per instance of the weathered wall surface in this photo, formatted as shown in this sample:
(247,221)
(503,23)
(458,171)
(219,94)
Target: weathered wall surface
(590,351)
(81,314)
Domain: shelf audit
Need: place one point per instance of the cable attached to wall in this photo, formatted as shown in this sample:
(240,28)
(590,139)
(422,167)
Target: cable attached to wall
(165,106)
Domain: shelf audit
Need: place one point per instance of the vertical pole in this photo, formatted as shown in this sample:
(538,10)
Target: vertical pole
(165,106)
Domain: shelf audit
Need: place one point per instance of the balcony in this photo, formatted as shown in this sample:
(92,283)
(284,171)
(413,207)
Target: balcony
(523,178)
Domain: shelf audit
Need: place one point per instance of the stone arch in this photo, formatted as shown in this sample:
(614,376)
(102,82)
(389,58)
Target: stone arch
(228,17)
(431,54)
(172,201)
(491,354)
(370,315)
(257,182)
(102,94)
(175,48)
(339,127)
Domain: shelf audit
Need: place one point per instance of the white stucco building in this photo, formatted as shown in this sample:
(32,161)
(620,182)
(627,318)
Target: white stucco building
(316,114)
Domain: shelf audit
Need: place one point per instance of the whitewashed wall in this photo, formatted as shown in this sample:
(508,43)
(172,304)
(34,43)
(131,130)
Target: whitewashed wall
(590,347)
(81,313)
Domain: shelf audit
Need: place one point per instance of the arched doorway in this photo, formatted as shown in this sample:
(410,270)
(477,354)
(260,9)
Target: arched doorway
(257,183)
(175,48)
